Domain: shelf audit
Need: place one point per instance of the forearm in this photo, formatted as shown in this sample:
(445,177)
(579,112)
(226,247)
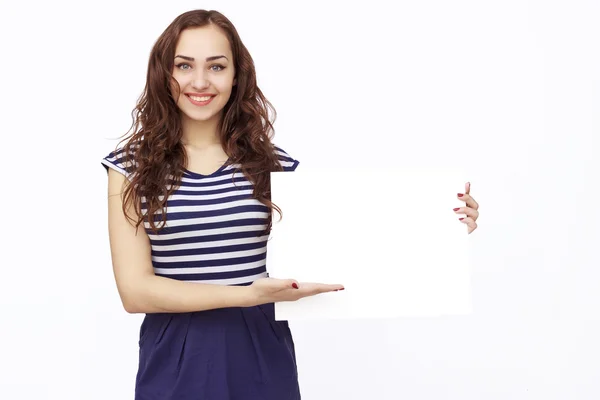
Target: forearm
(156,294)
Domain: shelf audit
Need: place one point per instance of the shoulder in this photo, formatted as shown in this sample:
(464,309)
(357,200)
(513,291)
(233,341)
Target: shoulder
(288,162)
(121,161)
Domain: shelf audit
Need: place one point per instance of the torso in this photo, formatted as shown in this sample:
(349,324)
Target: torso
(215,228)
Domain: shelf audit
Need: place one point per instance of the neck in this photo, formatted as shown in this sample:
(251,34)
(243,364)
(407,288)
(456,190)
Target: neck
(200,134)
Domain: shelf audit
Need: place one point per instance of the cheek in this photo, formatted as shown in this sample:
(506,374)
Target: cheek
(225,85)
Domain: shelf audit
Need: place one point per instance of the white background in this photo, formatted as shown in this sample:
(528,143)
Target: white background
(506,89)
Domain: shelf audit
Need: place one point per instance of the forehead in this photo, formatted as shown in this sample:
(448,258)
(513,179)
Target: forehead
(203,42)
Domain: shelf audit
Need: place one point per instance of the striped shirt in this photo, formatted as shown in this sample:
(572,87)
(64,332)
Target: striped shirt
(212,226)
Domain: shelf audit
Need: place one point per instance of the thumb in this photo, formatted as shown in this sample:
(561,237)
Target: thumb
(291,283)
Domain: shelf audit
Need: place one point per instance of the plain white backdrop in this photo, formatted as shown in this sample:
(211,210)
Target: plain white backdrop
(508,90)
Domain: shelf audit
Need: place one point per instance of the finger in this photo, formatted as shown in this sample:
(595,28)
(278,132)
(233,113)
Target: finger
(469,200)
(468,211)
(290,283)
(470,223)
(324,288)
(317,288)
(468,187)
(334,288)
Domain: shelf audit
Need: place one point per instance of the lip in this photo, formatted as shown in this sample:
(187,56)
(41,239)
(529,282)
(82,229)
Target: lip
(200,103)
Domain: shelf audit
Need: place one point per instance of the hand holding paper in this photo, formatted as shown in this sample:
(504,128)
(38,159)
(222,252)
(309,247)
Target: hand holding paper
(471,210)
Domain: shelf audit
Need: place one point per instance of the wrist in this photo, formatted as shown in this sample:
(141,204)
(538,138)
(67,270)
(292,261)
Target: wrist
(249,296)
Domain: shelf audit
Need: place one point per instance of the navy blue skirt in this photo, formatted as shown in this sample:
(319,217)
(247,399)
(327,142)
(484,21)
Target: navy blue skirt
(223,354)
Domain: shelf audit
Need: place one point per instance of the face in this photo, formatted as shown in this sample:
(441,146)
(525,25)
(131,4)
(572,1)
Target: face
(204,69)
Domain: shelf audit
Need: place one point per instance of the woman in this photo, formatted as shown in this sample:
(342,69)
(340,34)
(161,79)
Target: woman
(202,141)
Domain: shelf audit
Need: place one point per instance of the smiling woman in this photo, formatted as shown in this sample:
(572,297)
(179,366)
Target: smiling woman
(196,173)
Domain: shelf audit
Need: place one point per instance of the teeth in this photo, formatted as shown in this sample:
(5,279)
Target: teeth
(200,98)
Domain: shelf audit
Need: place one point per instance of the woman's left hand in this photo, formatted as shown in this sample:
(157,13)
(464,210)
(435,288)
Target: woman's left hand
(471,209)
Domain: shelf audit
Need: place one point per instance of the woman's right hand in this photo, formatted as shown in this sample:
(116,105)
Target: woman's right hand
(272,290)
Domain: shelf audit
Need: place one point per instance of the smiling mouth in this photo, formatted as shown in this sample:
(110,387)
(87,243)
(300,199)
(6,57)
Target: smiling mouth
(197,98)
(200,100)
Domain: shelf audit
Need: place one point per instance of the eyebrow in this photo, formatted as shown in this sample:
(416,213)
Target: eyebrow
(207,58)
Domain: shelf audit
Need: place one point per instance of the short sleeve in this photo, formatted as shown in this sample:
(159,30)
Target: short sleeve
(287,162)
(116,160)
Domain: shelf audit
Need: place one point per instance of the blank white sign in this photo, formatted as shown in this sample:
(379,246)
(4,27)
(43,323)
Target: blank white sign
(390,236)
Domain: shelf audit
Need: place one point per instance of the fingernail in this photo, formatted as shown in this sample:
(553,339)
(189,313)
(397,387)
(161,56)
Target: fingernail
(456,209)
(294,285)
(460,219)
(460,195)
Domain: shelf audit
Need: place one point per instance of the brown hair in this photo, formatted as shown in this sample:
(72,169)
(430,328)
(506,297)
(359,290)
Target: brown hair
(155,150)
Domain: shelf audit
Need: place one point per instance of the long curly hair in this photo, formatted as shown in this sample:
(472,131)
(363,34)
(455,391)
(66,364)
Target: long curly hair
(154,150)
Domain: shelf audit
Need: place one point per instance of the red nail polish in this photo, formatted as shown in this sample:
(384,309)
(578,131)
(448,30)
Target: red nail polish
(460,195)
(460,219)
(456,209)
(295,286)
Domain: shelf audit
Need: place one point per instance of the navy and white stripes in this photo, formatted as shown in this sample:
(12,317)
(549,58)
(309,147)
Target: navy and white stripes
(213,228)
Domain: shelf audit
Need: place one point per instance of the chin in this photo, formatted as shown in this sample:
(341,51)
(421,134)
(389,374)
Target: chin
(197,116)
(200,117)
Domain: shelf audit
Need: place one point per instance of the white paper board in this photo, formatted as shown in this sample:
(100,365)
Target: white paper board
(390,236)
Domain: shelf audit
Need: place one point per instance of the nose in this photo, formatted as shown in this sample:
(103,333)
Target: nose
(200,81)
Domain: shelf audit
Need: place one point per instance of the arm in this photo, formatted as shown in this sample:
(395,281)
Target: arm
(143,292)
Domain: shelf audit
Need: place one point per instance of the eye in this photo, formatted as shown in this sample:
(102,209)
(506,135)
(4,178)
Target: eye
(217,65)
(179,65)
